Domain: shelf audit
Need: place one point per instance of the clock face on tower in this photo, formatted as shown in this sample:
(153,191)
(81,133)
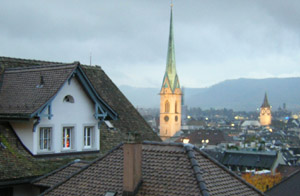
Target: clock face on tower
(166,118)
(265,112)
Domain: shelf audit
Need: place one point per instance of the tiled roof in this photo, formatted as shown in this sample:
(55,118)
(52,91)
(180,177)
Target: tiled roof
(288,187)
(60,174)
(167,169)
(15,162)
(287,170)
(24,90)
(129,119)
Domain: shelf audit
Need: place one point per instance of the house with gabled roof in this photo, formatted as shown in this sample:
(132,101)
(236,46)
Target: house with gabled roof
(150,168)
(59,108)
(65,110)
(53,108)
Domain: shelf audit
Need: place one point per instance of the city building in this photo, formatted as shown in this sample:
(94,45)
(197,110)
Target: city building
(170,93)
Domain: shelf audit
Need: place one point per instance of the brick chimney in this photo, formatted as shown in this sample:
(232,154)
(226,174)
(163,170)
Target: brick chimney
(132,174)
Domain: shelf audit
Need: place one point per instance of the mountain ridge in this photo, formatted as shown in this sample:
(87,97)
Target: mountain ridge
(243,94)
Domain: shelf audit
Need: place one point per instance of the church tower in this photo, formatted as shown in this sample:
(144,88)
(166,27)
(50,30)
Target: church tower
(170,93)
(265,113)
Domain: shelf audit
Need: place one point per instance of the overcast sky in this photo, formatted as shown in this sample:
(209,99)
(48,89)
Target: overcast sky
(215,40)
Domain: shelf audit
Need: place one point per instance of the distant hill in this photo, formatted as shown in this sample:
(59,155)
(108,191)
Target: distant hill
(239,94)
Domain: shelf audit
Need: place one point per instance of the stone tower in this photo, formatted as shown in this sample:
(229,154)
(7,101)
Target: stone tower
(265,113)
(170,93)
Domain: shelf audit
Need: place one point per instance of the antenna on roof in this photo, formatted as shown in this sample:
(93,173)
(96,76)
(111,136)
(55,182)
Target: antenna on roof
(90,58)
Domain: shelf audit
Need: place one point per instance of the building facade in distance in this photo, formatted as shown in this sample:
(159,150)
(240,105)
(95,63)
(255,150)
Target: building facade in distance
(170,94)
(265,113)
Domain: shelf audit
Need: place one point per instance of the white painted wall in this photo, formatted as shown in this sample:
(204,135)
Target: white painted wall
(24,131)
(77,114)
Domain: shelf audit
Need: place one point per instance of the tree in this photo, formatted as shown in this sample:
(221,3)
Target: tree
(263,182)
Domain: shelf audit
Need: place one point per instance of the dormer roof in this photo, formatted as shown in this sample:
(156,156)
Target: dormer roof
(26,91)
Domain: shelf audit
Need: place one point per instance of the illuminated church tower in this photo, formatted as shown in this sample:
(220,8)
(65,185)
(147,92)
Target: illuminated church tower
(170,93)
(265,113)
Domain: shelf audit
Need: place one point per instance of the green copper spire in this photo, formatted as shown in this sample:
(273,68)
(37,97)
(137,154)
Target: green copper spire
(266,102)
(171,64)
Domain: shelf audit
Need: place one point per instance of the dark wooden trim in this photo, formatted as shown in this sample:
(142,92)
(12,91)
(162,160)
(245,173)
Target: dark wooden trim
(66,154)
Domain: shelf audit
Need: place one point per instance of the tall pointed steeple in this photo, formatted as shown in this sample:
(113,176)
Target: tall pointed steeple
(171,74)
(170,93)
(266,102)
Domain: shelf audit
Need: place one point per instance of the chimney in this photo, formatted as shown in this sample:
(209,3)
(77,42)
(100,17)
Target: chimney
(132,174)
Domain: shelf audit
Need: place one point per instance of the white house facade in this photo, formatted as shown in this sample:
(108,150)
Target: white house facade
(66,121)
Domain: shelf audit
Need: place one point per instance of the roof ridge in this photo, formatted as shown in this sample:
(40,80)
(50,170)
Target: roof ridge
(82,169)
(196,168)
(227,170)
(40,67)
(163,143)
(27,60)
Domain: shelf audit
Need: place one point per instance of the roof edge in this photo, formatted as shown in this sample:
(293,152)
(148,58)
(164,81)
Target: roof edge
(292,175)
(81,170)
(227,170)
(56,170)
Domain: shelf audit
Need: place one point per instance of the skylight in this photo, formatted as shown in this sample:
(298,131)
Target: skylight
(110,193)
(109,124)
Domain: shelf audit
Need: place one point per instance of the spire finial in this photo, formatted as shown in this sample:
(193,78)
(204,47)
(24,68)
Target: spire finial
(171,4)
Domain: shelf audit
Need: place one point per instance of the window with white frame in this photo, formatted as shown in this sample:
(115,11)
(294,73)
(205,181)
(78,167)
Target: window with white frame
(45,138)
(67,137)
(88,137)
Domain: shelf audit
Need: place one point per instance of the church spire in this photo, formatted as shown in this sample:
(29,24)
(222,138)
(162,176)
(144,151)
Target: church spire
(171,73)
(266,102)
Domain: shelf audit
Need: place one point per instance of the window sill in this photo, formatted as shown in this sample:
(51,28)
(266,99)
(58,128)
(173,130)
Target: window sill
(68,150)
(89,149)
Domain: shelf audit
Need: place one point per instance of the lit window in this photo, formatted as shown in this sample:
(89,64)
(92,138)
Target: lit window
(69,99)
(67,135)
(45,138)
(88,132)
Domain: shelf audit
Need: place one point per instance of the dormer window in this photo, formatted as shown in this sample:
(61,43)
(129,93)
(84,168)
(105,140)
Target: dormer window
(69,99)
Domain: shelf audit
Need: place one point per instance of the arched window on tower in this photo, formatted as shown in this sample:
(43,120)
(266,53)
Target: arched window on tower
(167,106)
(176,111)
